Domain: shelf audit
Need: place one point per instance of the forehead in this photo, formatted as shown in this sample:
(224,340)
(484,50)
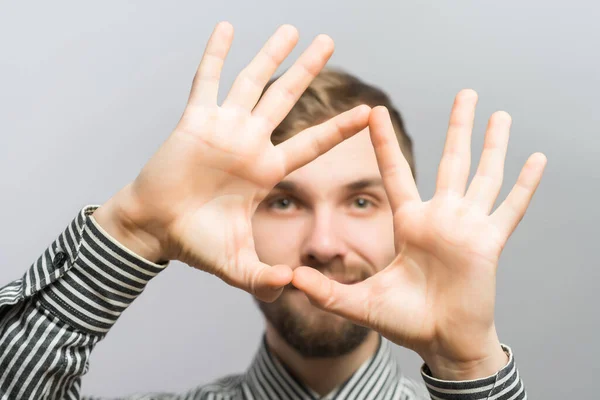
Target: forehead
(351,160)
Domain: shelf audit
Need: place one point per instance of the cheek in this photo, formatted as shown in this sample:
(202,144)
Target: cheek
(277,240)
(373,239)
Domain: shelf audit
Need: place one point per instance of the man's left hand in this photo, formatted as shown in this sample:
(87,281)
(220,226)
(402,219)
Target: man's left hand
(437,296)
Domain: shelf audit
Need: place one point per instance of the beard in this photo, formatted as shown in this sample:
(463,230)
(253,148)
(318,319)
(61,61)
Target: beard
(312,332)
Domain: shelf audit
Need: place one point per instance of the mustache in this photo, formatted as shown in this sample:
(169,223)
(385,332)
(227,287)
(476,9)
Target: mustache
(349,274)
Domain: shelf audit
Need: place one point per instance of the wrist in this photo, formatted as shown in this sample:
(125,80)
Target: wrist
(122,219)
(489,364)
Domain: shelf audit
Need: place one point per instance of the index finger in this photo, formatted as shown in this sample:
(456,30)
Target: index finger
(395,171)
(309,144)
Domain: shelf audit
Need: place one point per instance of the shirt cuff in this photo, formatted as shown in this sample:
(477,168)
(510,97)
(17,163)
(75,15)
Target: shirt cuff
(506,384)
(86,278)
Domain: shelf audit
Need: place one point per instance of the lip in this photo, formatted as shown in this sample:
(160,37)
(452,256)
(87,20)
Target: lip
(339,279)
(344,280)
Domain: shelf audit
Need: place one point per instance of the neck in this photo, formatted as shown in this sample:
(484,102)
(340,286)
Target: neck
(321,374)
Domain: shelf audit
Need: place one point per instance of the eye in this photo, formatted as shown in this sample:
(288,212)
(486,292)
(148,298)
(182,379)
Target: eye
(362,202)
(281,203)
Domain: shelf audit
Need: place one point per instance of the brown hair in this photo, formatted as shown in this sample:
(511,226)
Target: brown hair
(333,92)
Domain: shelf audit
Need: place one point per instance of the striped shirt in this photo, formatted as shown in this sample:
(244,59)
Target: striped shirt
(52,318)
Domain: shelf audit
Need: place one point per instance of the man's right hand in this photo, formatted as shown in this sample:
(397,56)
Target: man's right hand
(193,201)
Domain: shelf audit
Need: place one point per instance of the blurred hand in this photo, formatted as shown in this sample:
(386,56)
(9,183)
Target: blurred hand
(437,296)
(194,199)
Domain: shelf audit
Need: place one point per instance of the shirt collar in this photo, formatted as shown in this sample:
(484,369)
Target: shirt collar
(271,380)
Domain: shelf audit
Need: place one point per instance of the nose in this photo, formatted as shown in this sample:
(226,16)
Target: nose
(323,241)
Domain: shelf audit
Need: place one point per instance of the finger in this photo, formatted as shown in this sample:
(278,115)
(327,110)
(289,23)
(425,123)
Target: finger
(205,87)
(397,177)
(348,301)
(263,281)
(508,215)
(453,172)
(487,182)
(270,281)
(314,141)
(281,96)
(249,84)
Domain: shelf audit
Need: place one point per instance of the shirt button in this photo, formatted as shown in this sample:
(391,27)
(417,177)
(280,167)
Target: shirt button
(59,259)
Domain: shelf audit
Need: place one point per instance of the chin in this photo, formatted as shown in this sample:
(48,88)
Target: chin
(310,330)
(315,318)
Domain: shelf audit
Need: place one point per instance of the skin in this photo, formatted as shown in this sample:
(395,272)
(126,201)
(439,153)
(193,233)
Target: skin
(194,201)
(437,296)
(319,219)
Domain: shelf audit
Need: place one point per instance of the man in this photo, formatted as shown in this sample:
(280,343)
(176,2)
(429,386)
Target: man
(339,250)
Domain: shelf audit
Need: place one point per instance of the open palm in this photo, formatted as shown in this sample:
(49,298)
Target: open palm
(198,192)
(437,296)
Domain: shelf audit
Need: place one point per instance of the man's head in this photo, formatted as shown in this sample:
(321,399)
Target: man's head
(332,215)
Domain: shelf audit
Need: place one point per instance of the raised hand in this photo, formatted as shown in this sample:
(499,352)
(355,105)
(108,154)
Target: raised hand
(437,296)
(194,199)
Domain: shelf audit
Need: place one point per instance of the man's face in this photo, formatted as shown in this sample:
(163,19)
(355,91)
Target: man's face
(332,215)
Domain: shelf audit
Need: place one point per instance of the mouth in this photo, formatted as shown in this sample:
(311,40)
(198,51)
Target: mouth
(345,280)
(340,279)
(350,277)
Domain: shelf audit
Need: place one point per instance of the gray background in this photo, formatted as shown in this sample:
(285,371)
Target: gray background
(90,90)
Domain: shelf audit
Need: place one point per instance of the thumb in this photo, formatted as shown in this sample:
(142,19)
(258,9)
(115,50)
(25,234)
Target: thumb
(263,281)
(269,281)
(348,301)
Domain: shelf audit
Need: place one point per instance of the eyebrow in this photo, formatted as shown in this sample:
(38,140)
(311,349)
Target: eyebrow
(360,184)
(363,184)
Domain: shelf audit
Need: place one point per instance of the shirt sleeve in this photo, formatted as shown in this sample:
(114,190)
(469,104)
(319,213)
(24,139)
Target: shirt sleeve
(504,385)
(51,318)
